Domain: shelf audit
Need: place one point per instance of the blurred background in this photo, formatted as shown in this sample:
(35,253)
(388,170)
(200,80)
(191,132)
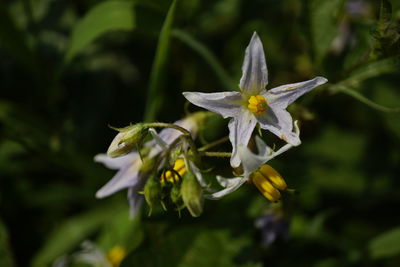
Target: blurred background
(68,69)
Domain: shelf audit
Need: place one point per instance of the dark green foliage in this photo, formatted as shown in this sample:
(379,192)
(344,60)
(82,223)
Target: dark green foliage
(70,68)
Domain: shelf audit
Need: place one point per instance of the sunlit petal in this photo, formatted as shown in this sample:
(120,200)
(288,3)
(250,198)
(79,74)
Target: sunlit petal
(254,69)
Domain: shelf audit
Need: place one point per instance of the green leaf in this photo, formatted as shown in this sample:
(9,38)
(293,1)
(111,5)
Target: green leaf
(366,101)
(106,16)
(72,232)
(324,27)
(385,245)
(14,41)
(373,69)
(154,96)
(208,56)
(121,231)
(5,253)
(370,70)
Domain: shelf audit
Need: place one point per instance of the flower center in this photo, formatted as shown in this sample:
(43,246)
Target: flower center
(177,171)
(257,104)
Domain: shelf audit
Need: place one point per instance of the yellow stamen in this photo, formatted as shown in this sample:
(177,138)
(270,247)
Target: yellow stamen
(257,104)
(271,174)
(265,187)
(115,255)
(171,176)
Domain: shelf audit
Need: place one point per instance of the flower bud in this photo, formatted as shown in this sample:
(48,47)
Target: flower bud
(128,139)
(175,194)
(192,194)
(152,191)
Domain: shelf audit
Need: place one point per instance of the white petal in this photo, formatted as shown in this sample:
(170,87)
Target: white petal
(279,122)
(232,185)
(168,135)
(251,161)
(240,130)
(254,69)
(116,163)
(228,182)
(284,95)
(125,177)
(225,103)
(159,141)
(135,199)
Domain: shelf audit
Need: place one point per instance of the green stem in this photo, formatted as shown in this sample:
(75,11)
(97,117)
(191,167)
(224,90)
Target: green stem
(216,154)
(214,143)
(169,125)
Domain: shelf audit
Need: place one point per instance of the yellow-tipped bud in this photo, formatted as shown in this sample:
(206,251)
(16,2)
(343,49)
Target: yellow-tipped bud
(173,176)
(272,175)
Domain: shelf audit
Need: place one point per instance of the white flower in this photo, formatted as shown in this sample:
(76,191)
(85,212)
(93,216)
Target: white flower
(129,166)
(251,162)
(253,104)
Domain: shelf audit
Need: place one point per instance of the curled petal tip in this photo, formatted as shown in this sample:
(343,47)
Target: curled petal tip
(321,80)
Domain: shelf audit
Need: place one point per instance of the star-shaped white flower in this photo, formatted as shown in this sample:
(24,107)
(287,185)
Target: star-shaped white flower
(253,104)
(251,162)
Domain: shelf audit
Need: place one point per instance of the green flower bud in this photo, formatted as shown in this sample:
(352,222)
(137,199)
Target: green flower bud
(152,191)
(192,194)
(128,139)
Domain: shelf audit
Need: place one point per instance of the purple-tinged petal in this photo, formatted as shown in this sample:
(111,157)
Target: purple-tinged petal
(225,103)
(125,177)
(135,199)
(282,96)
(116,163)
(254,69)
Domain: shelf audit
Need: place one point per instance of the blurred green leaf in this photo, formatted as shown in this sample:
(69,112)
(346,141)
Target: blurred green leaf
(208,56)
(324,28)
(104,17)
(122,231)
(373,69)
(190,245)
(154,95)
(367,101)
(14,41)
(72,232)
(385,245)
(5,253)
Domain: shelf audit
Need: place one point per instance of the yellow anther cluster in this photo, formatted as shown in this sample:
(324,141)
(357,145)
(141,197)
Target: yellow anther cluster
(115,255)
(172,176)
(257,104)
(269,182)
